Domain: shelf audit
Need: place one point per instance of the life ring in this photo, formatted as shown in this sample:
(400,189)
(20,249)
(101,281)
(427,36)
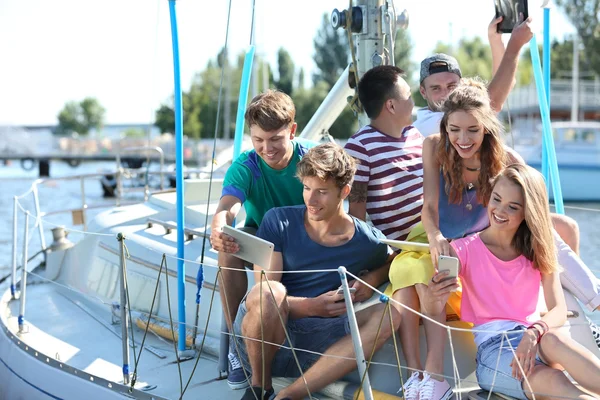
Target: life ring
(73,162)
(27,163)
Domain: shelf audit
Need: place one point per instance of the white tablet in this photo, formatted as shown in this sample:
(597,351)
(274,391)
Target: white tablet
(407,246)
(252,249)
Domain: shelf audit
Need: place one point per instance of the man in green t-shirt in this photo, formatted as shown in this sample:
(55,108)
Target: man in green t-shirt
(260,179)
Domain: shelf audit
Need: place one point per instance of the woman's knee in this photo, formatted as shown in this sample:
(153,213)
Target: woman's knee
(551,341)
(567,228)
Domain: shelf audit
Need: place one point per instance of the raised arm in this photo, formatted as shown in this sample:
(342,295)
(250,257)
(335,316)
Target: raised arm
(438,244)
(496,44)
(228,208)
(504,78)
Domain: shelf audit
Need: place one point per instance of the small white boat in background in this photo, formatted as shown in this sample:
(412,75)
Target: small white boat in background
(578,156)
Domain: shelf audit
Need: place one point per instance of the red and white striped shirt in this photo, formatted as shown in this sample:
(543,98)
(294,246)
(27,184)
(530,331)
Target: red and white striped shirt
(393,169)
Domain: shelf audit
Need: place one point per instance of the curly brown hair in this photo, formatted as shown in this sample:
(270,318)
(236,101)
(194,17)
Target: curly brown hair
(271,110)
(327,161)
(471,96)
(534,238)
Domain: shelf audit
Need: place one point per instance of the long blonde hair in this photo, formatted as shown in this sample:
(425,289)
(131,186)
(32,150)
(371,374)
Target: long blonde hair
(471,96)
(533,238)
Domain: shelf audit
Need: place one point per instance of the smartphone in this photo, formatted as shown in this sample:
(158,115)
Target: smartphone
(341,290)
(450,264)
(510,10)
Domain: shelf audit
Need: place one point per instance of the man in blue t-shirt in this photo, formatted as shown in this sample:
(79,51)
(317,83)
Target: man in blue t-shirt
(311,242)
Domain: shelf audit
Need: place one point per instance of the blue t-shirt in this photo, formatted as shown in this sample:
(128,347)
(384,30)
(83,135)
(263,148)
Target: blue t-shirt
(284,227)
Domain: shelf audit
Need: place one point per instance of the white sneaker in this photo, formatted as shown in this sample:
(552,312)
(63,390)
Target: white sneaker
(432,389)
(410,390)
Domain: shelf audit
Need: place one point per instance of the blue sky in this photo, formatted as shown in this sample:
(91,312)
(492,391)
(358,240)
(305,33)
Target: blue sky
(119,51)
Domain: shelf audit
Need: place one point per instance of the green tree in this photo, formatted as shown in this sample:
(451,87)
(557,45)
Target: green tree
(301,78)
(93,113)
(286,71)
(561,62)
(331,58)
(473,55)
(584,15)
(200,103)
(80,117)
(165,116)
(308,100)
(332,53)
(165,119)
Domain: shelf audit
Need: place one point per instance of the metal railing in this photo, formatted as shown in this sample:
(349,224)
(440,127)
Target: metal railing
(126,171)
(561,95)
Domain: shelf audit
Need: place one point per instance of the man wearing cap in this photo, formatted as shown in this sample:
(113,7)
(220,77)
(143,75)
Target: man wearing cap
(440,74)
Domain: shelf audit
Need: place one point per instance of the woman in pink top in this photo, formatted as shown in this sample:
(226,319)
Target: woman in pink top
(518,353)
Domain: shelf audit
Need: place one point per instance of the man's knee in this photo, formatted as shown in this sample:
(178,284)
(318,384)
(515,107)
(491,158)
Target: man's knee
(271,294)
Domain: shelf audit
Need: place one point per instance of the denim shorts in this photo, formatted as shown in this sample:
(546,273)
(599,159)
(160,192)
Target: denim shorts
(313,334)
(487,360)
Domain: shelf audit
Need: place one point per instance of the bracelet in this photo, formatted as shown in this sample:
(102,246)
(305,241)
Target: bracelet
(542,325)
(537,332)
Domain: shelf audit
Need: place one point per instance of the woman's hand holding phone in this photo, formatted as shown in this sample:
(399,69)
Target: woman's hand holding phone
(438,246)
(441,285)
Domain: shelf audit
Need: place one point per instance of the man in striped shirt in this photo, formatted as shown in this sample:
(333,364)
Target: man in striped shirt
(389,181)
(388,184)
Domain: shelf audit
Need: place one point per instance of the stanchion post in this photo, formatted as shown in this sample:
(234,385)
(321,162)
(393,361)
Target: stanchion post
(21,318)
(124,307)
(354,331)
(13,280)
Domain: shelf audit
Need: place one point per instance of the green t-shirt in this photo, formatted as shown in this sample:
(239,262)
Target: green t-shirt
(260,187)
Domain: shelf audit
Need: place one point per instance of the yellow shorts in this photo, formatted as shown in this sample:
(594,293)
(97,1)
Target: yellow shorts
(410,268)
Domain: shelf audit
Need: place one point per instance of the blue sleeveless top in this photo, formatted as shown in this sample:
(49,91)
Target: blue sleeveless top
(456,220)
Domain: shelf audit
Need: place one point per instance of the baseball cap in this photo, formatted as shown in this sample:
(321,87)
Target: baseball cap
(439,63)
